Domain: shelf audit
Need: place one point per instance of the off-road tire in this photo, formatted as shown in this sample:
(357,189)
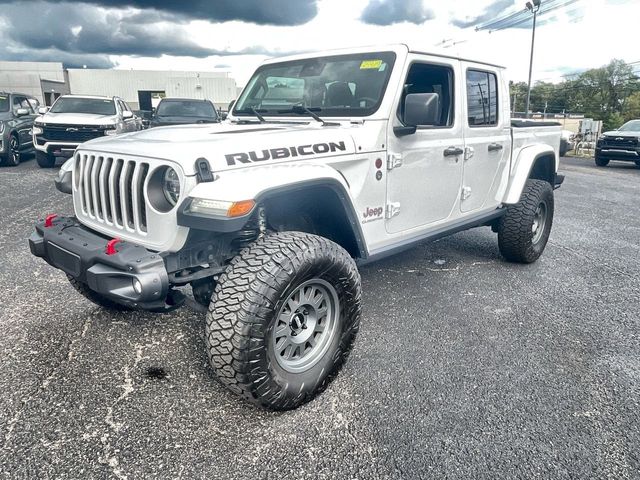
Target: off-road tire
(516,237)
(637,162)
(601,162)
(13,154)
(94,297)
(45,160)
(246,305)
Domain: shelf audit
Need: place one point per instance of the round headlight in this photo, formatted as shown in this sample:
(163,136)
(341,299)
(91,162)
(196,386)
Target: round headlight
(171,185)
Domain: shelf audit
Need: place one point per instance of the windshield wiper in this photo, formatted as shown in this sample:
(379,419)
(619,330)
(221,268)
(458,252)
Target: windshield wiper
(301,109)
(255,112)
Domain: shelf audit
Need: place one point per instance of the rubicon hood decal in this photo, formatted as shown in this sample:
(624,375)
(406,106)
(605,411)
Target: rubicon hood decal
(284,152)
(232,146)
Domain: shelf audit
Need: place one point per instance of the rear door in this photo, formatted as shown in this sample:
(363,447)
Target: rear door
(487,136)
(424,177)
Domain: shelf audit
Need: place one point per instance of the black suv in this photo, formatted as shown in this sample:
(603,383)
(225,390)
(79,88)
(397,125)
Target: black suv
(181,111)
(17,112)
(622,144)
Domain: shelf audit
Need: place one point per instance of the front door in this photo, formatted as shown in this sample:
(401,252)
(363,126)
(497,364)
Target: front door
(23,122)
(425,168)
(487,139)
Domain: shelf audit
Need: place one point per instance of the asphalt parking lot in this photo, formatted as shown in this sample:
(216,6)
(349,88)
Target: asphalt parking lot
(465,366)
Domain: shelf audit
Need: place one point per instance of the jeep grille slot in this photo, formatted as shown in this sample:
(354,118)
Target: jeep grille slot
(111,191)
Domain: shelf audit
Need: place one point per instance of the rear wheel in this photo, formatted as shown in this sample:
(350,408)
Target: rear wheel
(601,162)
(94,297)
(13,155)
(45,160)
(524,230)
(283,319)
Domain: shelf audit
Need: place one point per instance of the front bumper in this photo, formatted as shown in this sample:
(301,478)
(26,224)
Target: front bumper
(81,253)
(59,149)
(624,154)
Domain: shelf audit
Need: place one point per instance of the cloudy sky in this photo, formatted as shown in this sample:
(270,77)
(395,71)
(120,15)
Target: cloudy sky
(236,35)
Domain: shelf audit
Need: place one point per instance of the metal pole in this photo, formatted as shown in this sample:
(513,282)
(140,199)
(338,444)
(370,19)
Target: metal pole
(533,42)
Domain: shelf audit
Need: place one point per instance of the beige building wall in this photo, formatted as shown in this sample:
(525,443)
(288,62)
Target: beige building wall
(218,87)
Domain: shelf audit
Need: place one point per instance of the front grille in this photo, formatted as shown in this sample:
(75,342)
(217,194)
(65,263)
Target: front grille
(70,133)
(111,190)
(623,143)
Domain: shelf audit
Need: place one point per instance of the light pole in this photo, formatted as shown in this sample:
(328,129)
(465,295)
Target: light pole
(533,7)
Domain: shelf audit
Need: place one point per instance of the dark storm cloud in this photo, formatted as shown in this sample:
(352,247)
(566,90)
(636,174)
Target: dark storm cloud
(79,34)
(386,12)
(493,11)
(262,12)
(69,60)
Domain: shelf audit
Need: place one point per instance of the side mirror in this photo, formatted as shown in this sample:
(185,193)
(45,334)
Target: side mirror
(43,110)
(21,112)
(223,115)
(420,109)
(231,104)
(127,114)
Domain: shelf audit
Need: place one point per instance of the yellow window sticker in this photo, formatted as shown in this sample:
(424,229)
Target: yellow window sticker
(370,64)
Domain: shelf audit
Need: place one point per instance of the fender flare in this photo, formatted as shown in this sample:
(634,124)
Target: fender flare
(523,167)
(290,179)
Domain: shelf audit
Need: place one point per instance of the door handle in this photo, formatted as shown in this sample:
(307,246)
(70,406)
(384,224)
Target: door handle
(494,147)
(453,152)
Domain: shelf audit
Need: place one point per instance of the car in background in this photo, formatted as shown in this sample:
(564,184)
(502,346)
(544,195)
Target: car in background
(622,144)
(145,117)
(567,139)
(183,111)
(17,112)
(75,119)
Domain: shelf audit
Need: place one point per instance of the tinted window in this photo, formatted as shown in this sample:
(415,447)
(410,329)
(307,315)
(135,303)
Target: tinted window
(342,85)
(95,106)
(424,78)
(4,103)
(482,98)
(186,108)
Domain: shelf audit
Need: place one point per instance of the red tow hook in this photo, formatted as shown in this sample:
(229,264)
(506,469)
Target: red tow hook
(48,221)
(111,246)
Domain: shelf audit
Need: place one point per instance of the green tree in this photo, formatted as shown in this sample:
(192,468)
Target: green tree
(632,107)
(608,93)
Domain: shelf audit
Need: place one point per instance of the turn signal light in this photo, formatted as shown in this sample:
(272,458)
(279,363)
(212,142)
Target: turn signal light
(221,208)
(239,209)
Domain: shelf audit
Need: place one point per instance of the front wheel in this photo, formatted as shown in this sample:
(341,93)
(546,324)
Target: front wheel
(13,155)
(601,162)
(524,230)
(45,160)
(283,319)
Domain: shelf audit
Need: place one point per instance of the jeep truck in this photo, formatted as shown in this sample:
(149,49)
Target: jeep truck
(326,161)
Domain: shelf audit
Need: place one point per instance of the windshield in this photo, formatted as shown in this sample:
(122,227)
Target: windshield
(344,85)
(632,126)
(4,103)
(186,108)
(95,106)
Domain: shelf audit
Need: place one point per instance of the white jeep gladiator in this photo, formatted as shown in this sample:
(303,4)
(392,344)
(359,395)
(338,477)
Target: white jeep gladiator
(326,161)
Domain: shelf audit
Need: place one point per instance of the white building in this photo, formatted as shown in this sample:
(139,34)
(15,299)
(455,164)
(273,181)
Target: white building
(142,89)
(45,81)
